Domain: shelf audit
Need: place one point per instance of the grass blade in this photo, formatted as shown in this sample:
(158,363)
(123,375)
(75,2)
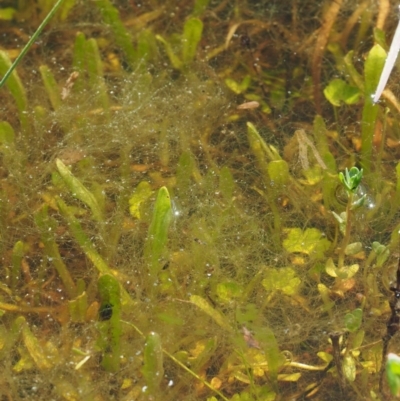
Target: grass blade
(79,61)
(34,348)
(122,37)
(49,16)
(158,231)
(210,311)
(153,370)
(110,323)
(95,71)
(17,255)
(51,86)
(79,191)
(372,70)
(192,32)
(16,88)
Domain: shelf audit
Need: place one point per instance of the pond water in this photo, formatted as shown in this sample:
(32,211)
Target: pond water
(172,220)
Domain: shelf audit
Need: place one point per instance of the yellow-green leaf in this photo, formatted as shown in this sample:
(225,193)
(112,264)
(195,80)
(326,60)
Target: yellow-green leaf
(349,368)
(35,349)
(158,231)
(142,193)
(210,311)
(110,322)
(79,191)
(283,279)
(311,242)
(153,369)
(192,32)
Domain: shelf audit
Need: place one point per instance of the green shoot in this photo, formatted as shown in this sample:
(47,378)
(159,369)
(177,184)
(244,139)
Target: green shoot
(158,232)
(109,325)
(153,370)
(350,180)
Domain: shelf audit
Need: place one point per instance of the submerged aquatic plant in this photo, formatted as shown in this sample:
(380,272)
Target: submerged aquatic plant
(393,373)
(159,243)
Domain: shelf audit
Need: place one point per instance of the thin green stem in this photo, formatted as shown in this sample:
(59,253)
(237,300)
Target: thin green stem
(346,238)
(49,16)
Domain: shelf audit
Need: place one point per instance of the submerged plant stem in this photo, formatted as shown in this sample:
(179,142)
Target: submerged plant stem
(31,41)
(346,238)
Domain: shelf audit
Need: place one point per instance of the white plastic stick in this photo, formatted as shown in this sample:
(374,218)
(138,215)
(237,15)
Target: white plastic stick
(389,63)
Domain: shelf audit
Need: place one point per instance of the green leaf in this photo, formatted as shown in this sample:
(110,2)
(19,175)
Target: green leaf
(278,171)
(261,151)
(95,73)
(343,273)
(339,91)
(380,38)
(18,253)
(7,13)
(110,330)
(378,248)
(35,349)
(351,179)
(192,32)
(142,193)
(210,311)
(228,291)
(349,368)
(325,356)
(173,58)
(372,71)
(309,242)
(353,320)
(79,191)
(199,7)
(272,353)
(77,308)
(352,70)
(353,248)
(153,370)
(283,279)
(16,88)
(236,87)
(146,45)
(324,292)
(393,373)
(50,83)
(79,62)
(158,231)
(7,134)
(314,174)
(122,37)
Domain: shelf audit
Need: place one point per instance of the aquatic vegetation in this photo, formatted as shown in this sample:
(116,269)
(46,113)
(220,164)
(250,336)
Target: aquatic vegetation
(159,242)
(393,373)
